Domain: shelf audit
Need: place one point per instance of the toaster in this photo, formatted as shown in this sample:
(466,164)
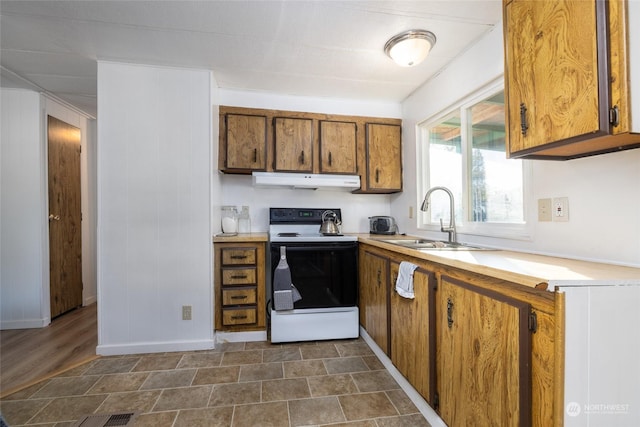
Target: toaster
(382,225)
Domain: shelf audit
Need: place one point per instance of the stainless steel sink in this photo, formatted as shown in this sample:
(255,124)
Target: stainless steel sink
(428,244)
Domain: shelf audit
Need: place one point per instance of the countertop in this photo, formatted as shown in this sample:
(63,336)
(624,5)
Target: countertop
(524,268)
(241,237)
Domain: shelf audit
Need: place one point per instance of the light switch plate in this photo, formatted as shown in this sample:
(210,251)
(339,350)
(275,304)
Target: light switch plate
(544,209)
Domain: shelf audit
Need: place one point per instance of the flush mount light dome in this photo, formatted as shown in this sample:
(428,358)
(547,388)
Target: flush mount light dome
(411,47)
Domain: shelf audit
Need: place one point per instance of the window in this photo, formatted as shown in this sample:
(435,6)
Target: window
(464,151)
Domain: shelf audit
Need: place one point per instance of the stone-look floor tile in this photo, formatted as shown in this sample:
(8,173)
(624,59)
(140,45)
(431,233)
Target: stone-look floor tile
(69,386)
(365,423)
(272,414)
(359,348)
(282,354)
(323,410)
(295,388)
(130,401)
(20,411)
(110,365)
(304,368)
(200,360)
(235,394)
(373,362)
(208,417)
(227,374)
(118,383)
(241,357)
(341,365)
(331,385)
(229,346)
(366,405)
(321,351)
(415,420)
(169,379)
(401,401)
(374,381)
(259,345)
(158,363)
(155,419)
(68,408)
(183,398)
(263,371)
(77,371)
(26,393)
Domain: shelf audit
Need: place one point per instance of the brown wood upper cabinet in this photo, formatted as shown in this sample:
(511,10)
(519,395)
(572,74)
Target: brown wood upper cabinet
(566,78)
(245,144)
(293,144)
(384,158)
(338,147)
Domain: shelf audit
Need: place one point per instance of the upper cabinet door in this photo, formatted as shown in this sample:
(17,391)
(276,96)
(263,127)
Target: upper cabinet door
(338,147)
(384,158)
(293,140)
(246,142)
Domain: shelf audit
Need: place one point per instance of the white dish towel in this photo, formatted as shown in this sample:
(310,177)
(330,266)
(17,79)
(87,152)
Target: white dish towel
(404,282)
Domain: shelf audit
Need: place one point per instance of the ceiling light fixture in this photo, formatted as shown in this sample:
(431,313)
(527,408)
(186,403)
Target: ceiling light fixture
(410,47)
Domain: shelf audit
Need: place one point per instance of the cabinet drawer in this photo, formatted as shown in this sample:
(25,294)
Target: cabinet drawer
(238,276)
(238,296)
(244,316)
(239,256)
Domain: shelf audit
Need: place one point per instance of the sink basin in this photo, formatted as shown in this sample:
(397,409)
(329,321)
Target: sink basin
(428,244)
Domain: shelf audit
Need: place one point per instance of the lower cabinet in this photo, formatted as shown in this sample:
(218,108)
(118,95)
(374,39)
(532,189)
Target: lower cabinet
(484,356)
(480,351)
(239,286)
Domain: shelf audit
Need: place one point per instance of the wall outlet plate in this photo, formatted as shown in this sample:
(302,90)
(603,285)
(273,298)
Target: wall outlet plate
(561,209)
(186,312)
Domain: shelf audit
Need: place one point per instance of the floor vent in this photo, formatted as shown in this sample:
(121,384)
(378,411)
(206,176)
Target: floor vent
(107,420)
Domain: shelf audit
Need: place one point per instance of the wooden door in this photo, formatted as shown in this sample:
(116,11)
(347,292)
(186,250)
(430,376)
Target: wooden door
(338,147)
(484,357)
(65,227)
(413,332)
(374,298)
(293,144)
(384,158)
(552,82)
(246,142)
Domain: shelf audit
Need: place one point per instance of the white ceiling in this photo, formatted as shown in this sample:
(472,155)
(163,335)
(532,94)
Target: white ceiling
(309,48)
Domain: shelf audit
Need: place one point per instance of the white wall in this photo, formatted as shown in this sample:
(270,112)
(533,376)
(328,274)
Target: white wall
(603,191)
(238,190)
(24,229)
(154,209)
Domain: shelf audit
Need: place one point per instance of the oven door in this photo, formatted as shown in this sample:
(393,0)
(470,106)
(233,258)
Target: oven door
(325,274)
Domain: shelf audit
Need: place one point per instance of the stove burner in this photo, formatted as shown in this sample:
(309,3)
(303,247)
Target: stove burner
(288,234)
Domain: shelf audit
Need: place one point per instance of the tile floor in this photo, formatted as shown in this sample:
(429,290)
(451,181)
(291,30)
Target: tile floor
(337,383)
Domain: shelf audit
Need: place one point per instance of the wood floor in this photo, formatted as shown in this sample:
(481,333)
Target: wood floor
(31,355)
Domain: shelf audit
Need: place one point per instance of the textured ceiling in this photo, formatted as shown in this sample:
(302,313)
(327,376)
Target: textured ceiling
(310,48)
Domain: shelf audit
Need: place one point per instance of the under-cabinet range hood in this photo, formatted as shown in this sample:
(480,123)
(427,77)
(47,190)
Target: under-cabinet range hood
(306,181)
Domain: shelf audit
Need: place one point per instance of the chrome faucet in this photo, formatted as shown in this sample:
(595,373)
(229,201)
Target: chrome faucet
(451,229)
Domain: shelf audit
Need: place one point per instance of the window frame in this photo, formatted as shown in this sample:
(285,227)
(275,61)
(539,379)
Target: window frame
(514,231)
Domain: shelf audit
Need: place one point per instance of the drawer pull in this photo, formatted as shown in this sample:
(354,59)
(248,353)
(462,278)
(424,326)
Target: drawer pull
(239,276)
(238,257)
(238,317)
(239,297)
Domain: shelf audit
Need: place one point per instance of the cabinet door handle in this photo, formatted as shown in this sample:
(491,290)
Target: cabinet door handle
(449,312)
(379,277)
(255,155)
(302,157)
(614,116)
(377,175)
(330,158)
(239,297)
(243,276)
(524,126)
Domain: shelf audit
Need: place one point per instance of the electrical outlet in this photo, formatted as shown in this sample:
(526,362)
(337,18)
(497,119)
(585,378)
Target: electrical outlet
(561,209)
(544,209)
(186,312)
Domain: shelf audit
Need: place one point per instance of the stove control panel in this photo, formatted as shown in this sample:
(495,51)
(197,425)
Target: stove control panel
(299,215)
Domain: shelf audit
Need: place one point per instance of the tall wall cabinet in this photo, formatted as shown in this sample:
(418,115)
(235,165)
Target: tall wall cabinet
(291,141)
(571,77)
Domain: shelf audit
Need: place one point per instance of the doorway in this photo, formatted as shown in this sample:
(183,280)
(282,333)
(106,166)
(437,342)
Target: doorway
(65,216)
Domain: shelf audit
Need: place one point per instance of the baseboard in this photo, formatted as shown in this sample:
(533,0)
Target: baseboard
(427,411)
(163,347)
(24,324)
(249,336)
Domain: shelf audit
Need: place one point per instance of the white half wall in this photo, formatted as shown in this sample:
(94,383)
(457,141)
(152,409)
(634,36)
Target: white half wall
(154,209)
(603,190)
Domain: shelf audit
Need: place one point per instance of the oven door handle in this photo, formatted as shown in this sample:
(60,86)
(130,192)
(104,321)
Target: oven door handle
(316,247)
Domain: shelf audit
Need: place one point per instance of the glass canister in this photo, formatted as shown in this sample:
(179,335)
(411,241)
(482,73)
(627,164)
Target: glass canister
(244,220)
(229,219)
